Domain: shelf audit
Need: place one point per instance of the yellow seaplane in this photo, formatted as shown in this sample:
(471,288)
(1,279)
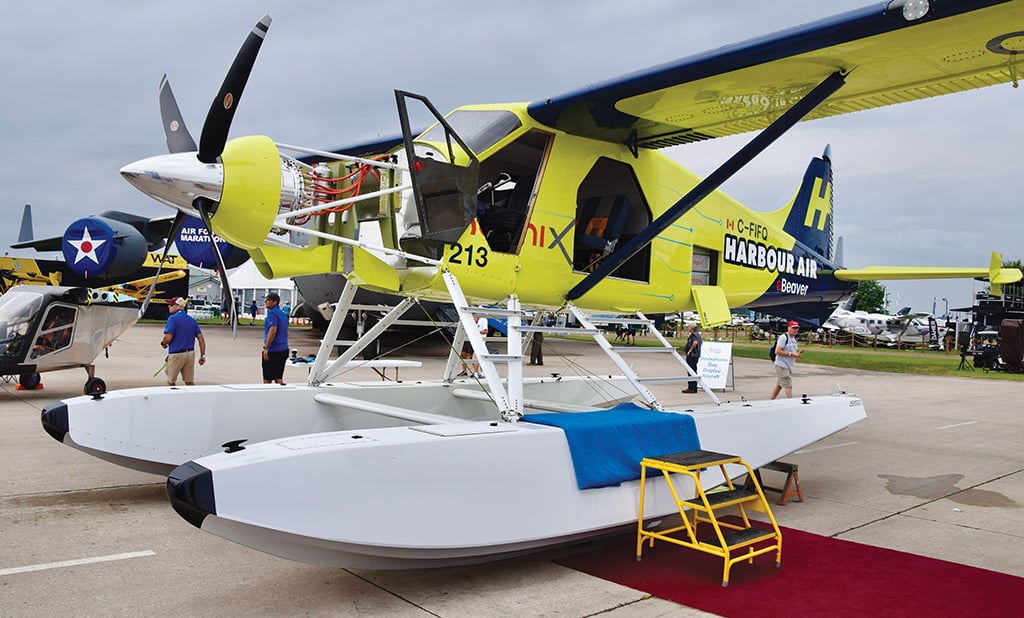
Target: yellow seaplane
(563,204)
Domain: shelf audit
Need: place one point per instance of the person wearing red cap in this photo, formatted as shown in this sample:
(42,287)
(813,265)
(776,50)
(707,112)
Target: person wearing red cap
(180,336)
(785,357)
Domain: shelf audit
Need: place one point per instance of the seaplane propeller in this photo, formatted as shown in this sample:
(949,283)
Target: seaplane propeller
(191,178)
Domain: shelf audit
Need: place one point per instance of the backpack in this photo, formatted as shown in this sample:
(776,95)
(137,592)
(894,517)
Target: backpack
(771,350)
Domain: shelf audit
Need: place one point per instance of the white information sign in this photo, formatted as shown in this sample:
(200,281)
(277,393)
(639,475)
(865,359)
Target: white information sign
(715,365)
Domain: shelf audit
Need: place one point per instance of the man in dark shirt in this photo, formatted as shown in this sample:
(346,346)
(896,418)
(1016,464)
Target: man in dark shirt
(693,345)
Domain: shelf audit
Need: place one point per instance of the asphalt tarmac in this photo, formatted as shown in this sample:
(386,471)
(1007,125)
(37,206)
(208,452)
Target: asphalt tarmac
(936,469)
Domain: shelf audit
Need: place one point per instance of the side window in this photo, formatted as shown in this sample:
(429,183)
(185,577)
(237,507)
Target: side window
(705,266)
(504,200)
(610,210)
(56,332)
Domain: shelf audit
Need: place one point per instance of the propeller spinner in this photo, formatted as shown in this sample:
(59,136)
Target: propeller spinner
(238,181)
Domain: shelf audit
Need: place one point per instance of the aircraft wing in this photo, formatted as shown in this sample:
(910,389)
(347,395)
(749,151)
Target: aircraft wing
(887,59)
(53,243)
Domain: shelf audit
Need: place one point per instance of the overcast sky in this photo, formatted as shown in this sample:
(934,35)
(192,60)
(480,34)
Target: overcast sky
(925,183)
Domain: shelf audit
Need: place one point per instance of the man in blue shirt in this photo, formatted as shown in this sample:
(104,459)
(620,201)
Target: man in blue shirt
(180,335)
(275,340)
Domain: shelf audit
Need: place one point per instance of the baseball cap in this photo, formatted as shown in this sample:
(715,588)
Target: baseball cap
(177,300)
(793,323)
(274,296)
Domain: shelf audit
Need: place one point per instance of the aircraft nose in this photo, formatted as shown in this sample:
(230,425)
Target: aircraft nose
(176,179)
(190,491)
(55,420)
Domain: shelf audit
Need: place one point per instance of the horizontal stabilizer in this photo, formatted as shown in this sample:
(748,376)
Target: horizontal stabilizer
(995,273)
(892,273)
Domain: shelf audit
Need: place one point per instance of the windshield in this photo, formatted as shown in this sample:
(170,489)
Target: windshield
(480,129)
(18,310)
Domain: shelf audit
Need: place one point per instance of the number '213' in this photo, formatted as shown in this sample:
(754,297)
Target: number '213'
(473,256)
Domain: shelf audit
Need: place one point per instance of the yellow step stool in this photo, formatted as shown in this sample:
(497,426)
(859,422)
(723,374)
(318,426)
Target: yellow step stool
(734,542)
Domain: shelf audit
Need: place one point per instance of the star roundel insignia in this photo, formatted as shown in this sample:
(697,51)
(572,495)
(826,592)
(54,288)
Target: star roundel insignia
(174,125)
(229,100)
(86,247)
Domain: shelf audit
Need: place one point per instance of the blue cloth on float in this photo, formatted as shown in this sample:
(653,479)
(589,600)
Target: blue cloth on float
(607,445)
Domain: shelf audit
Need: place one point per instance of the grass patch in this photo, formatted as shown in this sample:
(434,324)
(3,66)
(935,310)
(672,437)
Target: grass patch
(932,363)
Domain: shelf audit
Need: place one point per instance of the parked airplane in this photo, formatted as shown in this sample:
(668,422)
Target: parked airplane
(14,271)
(113,244)
(891,330)
(49,328)
(597,220)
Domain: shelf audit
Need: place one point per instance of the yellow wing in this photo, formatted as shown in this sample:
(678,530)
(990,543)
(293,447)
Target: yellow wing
(887,59)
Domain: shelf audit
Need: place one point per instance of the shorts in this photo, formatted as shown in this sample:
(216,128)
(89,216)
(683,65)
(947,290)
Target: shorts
(183,363)
(273,365)
(784,375)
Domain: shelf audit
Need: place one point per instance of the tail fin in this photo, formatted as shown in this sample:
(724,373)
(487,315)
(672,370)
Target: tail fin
(25,234)
(810,212)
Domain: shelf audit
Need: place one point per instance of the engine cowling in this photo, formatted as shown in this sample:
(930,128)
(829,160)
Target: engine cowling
(102,247)
(193,244)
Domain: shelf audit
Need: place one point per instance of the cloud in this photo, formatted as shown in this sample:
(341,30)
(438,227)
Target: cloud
(929,182)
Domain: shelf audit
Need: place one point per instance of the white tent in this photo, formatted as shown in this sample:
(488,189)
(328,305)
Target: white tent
(248,284)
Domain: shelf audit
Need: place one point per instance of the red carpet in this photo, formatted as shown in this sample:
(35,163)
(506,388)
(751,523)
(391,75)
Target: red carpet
(820,576)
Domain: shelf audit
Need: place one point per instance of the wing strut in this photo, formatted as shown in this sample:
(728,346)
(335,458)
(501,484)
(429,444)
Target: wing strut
(757,145)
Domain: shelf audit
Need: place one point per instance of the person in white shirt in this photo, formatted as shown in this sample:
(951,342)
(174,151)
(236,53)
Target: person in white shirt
(786,354)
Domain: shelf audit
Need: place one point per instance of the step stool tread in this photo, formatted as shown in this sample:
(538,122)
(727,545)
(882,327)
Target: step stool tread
(721,497)
(747,535)
(694,458)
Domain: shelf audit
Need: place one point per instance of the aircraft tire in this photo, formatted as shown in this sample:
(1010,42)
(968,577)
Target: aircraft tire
(95,386)
(29,381)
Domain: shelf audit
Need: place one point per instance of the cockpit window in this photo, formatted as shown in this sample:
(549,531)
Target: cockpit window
(19,310)
(56,334)
(480,129)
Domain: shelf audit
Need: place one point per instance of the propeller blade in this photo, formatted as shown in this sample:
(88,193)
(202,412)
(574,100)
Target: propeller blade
(222,110)
(179,220)
(205,207)
(178,137)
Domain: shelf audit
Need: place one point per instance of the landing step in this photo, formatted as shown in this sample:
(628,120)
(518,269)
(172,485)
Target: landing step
(746,536)
(633,321)
(502,358)
(558,330)
(668,379)
(495,312)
